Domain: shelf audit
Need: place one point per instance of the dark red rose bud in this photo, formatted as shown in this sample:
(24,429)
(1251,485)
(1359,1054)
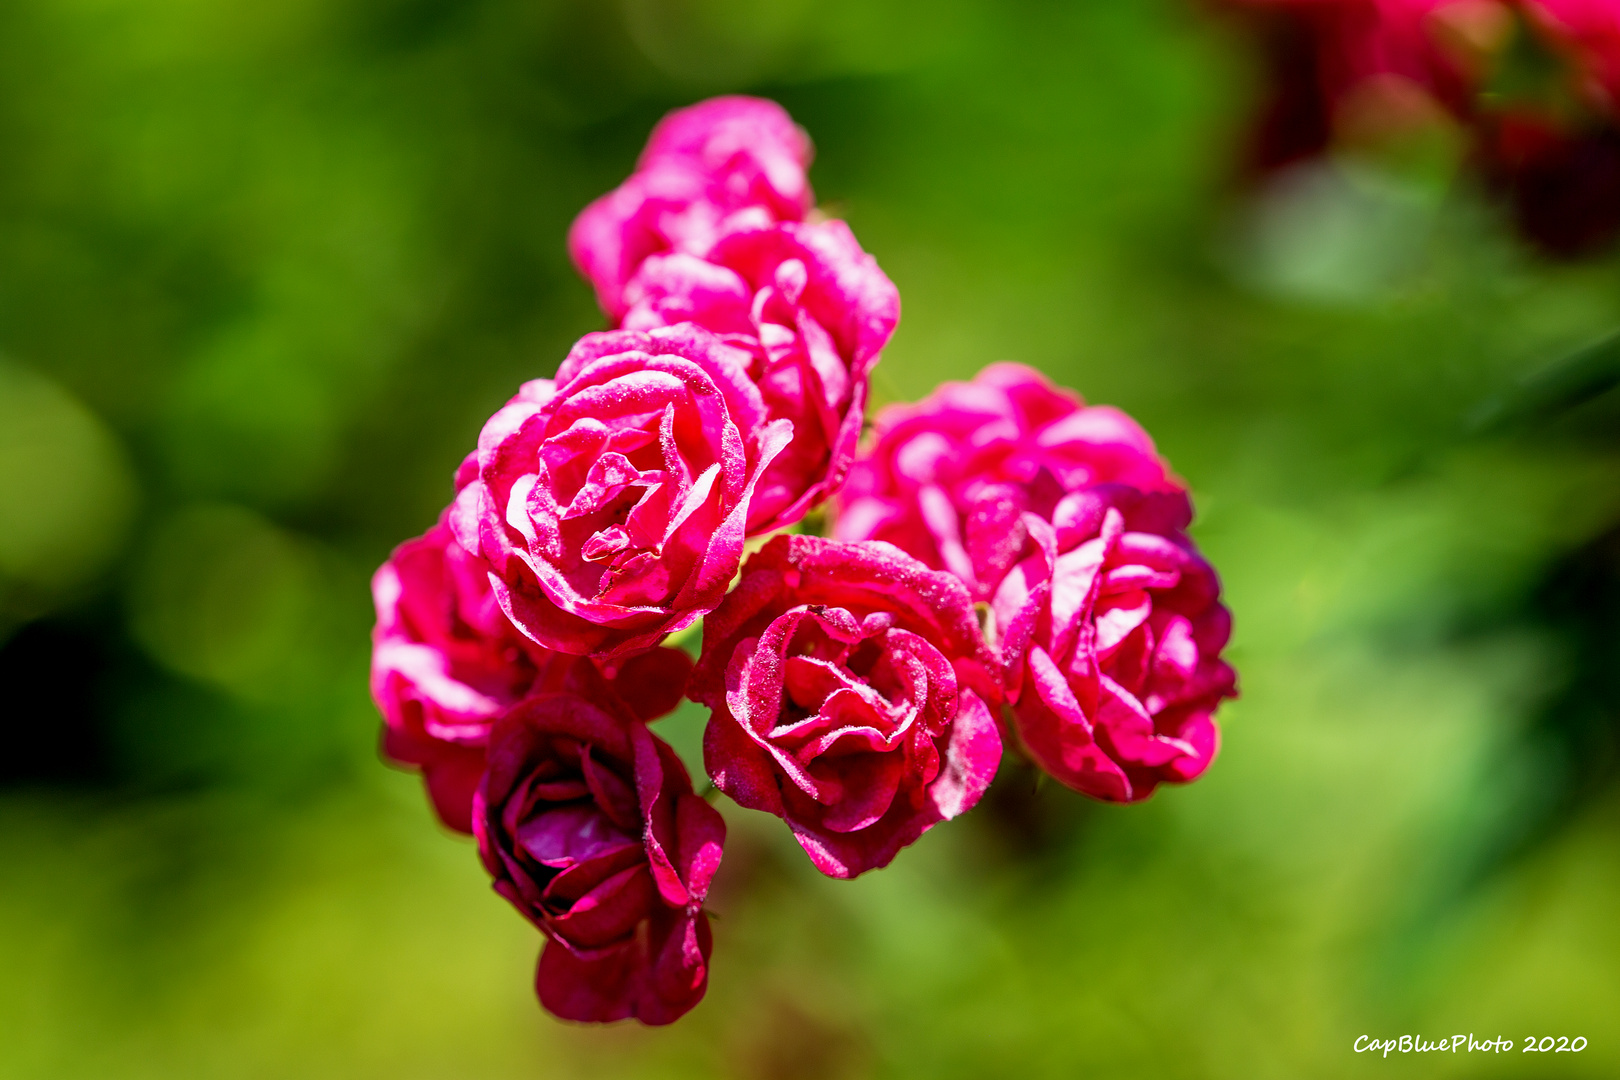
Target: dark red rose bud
(588,824)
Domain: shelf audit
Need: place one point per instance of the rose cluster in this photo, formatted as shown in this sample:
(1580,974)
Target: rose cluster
(1533,84)
(1009,567)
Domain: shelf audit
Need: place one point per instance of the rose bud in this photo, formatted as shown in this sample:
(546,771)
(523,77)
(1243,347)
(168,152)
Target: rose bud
(851,696)
(814,312)
(751,146)
(1112,630)
(588,824)
(446,662)
(706,168)
(949,479)
(611,503)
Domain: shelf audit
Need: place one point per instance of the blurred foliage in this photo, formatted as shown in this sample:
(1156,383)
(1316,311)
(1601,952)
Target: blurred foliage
(265,270)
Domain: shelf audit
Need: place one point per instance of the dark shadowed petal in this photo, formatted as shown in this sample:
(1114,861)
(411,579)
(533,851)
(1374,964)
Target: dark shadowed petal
(679,967)
(610,912)
(596,990)
(653,683)
(858,788)
(613,795)
(452,777)
(739,766)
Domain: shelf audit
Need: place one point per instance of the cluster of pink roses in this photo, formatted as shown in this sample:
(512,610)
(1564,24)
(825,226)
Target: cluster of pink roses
(1007,561)
(1534,83)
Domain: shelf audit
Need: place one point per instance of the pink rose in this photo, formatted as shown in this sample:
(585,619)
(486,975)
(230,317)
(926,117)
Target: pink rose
(588,824)
(813,311)
(1112,629)
(715,165)
(851,695)
(611,503)
(446,663)
(750,146)
(949,479)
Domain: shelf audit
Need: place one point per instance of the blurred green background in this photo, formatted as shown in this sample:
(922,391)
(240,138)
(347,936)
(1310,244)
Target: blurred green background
(264,270)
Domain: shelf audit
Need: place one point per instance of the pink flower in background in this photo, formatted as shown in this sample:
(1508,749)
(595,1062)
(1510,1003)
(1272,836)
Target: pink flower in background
(1338,63)
(813,311)
(1112,630)
(851,695)
(1553,150)
(1533,84)
(588,824)
(446,663)
(949,479)
(722,163)
(611,503)
(1586,34)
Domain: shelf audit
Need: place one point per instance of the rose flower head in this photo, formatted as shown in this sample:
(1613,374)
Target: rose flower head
(611,503)
(588,824)
(851,695)
(706,168)
(813,311)
(446,663)
(948,480)
(1112,629)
